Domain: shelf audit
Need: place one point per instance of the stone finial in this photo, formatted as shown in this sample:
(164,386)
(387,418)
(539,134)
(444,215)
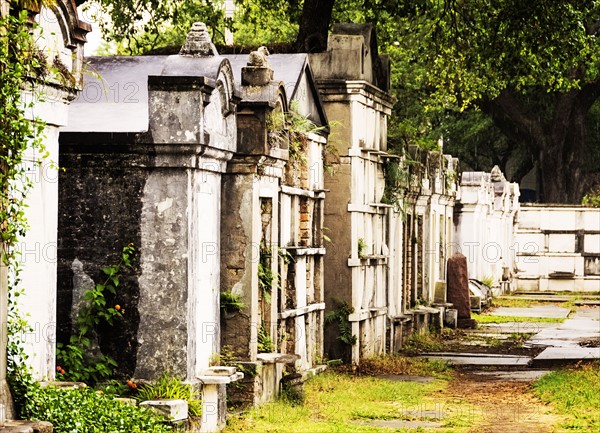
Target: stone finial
(258,71)
(198,42)
(258,58)
(497,175)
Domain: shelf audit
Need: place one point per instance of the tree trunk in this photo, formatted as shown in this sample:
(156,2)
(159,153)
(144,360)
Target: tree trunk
(558,143)
(561,164)
(314,26)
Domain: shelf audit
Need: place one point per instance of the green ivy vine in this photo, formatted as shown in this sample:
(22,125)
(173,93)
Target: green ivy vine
(21,66)
(79,360)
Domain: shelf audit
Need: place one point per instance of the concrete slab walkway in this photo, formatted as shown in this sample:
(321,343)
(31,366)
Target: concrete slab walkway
(557,356)
(478,359)
(563,343)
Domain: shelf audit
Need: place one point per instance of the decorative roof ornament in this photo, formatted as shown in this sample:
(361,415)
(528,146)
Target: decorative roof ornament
(198,42)
(259,58)
(257,71)
(497,175)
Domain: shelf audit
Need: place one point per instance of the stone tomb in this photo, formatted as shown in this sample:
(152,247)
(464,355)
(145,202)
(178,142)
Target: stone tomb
(143,161)
(272,219)
(354,82)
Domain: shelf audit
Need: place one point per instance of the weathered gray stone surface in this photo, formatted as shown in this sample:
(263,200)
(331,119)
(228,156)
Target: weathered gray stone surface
(584,326)
(159,190)
(172,410)
(512,327)
(561,337)
(513,376)
(555,356)
(198,42)
(587,313)
(479,360)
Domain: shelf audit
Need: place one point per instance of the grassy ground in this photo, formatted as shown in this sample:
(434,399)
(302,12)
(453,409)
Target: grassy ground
(457,340)
(461,401)
(485,318)
(514,302)
(338,401)
(575,394)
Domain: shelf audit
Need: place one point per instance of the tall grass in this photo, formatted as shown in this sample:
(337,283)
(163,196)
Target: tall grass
(575,393)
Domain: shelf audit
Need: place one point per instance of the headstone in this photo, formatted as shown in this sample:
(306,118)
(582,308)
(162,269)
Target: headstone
(458,290)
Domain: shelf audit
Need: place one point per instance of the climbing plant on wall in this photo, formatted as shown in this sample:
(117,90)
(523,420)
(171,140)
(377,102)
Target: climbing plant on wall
(21,66)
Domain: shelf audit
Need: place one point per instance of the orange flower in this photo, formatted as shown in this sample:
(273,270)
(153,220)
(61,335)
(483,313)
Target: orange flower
(131,384)
(117,307)
(58,368)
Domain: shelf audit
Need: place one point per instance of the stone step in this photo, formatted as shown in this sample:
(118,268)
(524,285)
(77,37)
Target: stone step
(479,359)
(512,375)
(559,356)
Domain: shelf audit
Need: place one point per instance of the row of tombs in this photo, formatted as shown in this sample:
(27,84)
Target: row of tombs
(271,224)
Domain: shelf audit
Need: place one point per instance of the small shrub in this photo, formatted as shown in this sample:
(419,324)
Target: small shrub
(340,316)
(264,341)
(489,281)
(592,199)
(427,342)
(362,248)
(171,388)
(85,410)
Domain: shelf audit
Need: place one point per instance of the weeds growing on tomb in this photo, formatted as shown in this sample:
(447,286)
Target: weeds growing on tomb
(76,359)
(339,316)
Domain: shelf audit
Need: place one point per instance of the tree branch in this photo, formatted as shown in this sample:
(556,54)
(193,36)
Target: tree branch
(592,28)
(589,93)
(514,119)
(561,116)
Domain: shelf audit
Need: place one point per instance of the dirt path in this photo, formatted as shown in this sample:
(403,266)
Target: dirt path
(501,405)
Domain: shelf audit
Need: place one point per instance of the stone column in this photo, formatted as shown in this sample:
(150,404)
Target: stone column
(354,82)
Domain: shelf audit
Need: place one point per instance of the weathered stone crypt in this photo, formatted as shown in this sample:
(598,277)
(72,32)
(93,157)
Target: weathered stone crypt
(149,173)
(198,160)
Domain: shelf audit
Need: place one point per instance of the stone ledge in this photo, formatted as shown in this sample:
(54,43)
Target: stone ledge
(219,371)
(215,379)
(277,358)
(172,410)
(371,313)
(301,311)
(55,384)
(26,427)
(313,371)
